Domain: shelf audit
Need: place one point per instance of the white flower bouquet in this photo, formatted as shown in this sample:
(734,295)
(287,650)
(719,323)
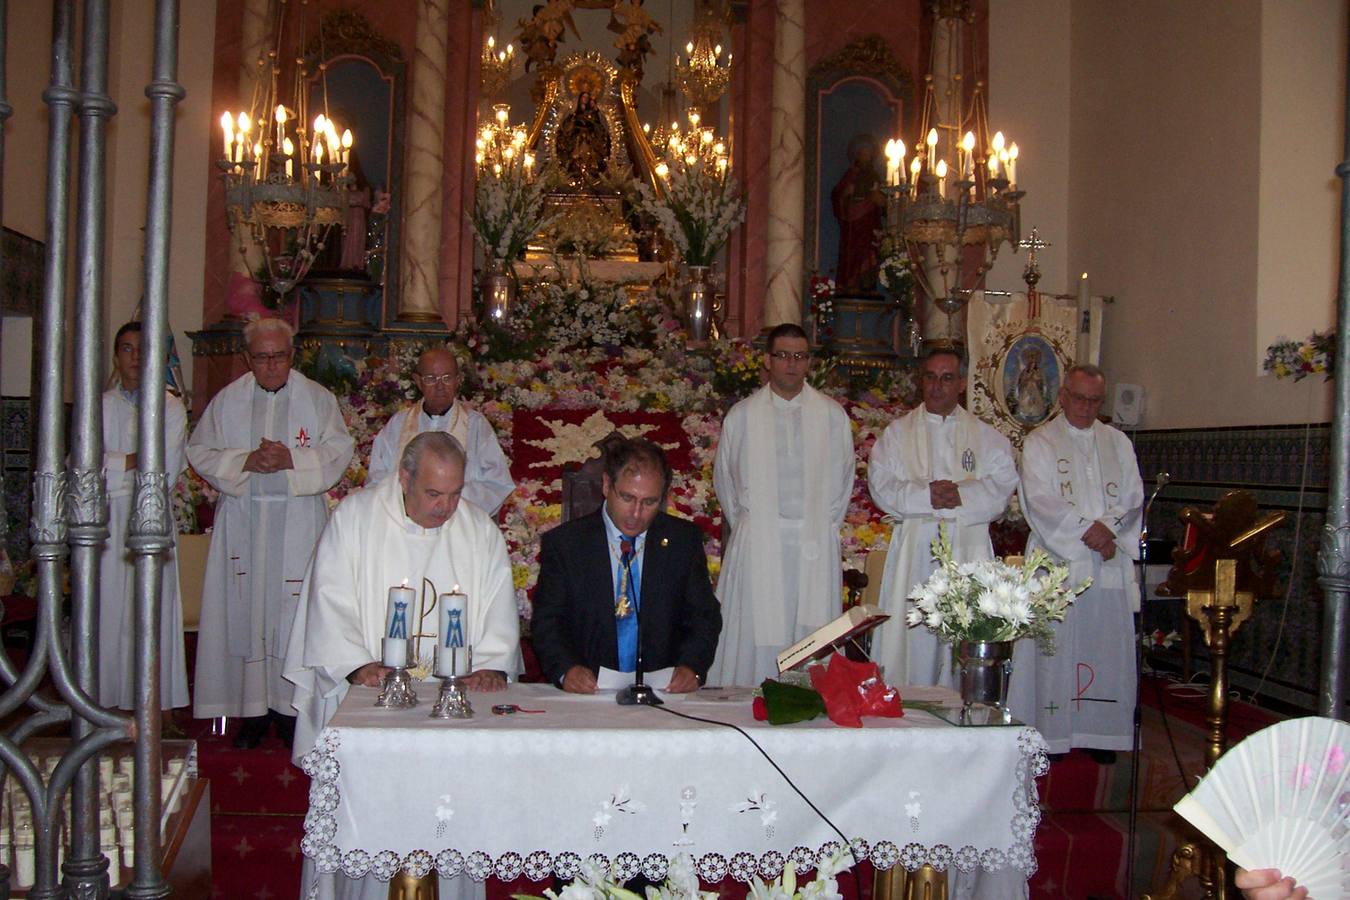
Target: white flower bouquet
(991,600)
(700,207)
(596,883)
(508,210)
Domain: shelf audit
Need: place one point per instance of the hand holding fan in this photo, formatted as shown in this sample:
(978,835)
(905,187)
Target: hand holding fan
(1280,799)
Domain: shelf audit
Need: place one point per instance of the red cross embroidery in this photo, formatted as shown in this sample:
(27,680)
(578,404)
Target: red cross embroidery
(302,437)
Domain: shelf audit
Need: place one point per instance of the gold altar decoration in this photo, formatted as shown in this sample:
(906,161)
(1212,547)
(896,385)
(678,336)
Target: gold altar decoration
(1230,542)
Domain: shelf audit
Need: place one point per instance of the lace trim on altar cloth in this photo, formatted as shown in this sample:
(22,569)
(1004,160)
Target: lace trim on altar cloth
(322,766)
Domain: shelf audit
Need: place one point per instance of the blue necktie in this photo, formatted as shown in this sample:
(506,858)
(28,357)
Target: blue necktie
(626,626)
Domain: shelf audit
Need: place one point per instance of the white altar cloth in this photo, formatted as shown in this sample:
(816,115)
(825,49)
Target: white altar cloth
(535,793)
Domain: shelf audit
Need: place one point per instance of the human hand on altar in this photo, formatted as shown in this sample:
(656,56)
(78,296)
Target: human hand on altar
(486,680)
(682,681)
(1100,539)
(370,675)
(579,680)
(1267,884)
(944,494)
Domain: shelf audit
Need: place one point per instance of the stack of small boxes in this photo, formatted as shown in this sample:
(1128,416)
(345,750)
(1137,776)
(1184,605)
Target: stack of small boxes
(115,829)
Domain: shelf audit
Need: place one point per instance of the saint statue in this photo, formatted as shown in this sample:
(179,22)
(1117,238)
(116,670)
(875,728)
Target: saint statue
(858,205)
(583,143)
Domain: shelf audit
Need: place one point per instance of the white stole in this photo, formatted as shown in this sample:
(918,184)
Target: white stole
(458,428)
(761,519)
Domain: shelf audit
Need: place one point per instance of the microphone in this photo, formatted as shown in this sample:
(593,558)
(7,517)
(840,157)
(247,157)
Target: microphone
(639,693)
(1161,481)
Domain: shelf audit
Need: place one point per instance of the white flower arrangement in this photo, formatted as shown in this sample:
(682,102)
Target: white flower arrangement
(990,600)
(508,210)
(594,882)
(699,209)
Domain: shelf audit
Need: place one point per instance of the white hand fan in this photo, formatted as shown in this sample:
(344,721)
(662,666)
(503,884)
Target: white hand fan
(1280,800)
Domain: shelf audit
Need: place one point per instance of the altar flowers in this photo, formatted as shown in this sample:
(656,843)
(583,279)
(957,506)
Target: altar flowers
(992,600)
(699,203)
(595,882)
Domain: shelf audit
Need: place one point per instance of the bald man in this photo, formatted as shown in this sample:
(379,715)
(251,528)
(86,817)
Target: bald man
(487,476)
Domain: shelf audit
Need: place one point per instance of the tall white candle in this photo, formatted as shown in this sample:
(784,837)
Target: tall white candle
(452,656)
(397,615)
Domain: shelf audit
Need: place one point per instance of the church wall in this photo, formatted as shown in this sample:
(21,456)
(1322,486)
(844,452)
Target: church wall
(25,190)
(1302,140)
(1029,99)
(1165,211)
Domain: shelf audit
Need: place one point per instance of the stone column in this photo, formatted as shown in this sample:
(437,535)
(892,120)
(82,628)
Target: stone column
(787,167)
(253,38)
(418,299)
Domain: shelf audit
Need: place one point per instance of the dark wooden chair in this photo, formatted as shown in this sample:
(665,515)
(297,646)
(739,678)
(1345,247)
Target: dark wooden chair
(582,486)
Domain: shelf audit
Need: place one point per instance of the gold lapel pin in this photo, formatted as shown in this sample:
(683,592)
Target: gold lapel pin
(665,542)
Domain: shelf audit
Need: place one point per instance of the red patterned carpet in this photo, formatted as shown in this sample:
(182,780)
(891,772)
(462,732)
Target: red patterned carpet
(260,800)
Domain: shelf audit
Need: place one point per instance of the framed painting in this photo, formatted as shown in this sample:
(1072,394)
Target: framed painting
(856,101)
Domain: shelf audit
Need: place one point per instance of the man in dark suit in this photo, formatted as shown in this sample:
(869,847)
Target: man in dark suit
(629,559)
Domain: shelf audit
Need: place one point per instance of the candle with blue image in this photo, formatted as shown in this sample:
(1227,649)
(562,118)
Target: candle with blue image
(452,650)
(394,647)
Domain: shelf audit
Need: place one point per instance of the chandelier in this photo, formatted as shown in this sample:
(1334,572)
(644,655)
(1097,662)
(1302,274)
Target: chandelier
(695,148)
(500,148)
(496,66)
(285,184)
(703,74)
(956,203)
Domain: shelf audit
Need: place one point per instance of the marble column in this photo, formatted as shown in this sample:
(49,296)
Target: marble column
(787,167)
(422,182)
(253,38)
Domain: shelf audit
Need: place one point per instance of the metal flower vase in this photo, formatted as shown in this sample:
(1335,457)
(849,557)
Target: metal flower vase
(984,668)
(696,301)
(498,290)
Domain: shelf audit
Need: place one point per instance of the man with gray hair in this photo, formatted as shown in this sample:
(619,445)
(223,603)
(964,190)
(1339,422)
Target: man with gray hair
(936,465)
(272,442)
(1083,498)
(487,474)
(410,530)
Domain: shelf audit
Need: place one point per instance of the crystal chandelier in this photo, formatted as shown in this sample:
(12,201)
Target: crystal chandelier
(496,66)
(956,202)
(696,147)
(285,185)
(500,147)
(703,74)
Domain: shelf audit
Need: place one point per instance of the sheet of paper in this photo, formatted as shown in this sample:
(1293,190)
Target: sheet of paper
(610,680)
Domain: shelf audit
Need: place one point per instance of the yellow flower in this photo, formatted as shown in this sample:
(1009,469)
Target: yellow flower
(520,575)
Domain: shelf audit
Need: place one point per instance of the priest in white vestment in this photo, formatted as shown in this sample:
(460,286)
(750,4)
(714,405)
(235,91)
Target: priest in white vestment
(401,531)
(272,442)
(1083,496)
(487,476)
(783,474)
(116,568)
(936,464)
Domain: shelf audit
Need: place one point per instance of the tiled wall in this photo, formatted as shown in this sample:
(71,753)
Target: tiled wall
(1286,467)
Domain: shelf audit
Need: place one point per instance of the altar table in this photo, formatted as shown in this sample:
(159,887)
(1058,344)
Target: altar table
(634,787)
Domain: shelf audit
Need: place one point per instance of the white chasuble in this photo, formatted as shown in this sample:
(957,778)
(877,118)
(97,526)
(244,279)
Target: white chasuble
(265,529)
(487,474)
(369,546)
(1083,695)
(783,474)
(917,449)
(116,565)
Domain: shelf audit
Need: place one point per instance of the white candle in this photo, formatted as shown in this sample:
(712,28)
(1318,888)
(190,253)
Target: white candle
(452,656)
(941,174)
(227,124)
(399,611)
(1012,164)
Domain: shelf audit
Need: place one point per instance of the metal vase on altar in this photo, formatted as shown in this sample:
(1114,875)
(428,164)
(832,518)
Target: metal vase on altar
(696,301)
(498,290)
(984,668)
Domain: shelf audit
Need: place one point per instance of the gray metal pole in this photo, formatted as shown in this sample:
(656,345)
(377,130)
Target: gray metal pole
(151,527)
(85,868)
(1333,559)
(48,527)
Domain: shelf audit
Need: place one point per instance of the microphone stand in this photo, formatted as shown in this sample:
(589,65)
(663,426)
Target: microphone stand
(639,693)
(1162,480)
